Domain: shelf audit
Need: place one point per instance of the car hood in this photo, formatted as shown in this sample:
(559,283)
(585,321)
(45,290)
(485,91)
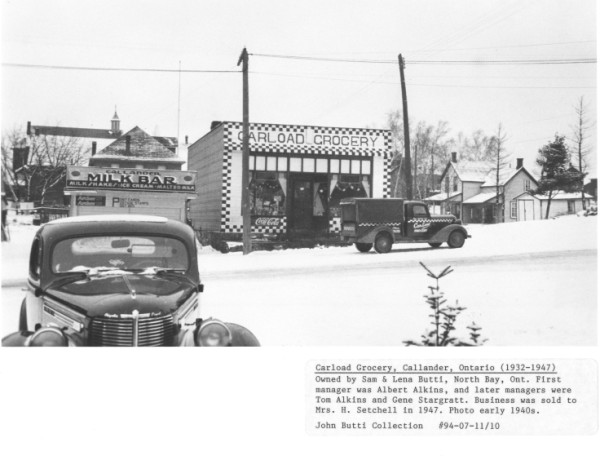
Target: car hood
(122,294)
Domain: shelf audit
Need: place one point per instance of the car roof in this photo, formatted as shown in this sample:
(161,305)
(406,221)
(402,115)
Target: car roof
(110,218)
(115,224)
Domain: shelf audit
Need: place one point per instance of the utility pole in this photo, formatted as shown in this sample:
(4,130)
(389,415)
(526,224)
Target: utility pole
(246,231)
(407,165)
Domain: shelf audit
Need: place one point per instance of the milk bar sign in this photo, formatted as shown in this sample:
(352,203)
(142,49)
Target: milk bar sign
(79,178)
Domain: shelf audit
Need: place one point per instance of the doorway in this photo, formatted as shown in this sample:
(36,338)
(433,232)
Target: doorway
(309,210)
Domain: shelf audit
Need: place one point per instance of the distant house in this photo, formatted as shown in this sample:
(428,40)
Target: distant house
(94,139)
(533,207)
(469,190)
(91,138)
(101,147)
(591,188)
(136,149)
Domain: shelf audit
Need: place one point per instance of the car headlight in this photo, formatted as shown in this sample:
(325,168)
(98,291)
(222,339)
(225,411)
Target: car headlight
(48,337)
(213,333)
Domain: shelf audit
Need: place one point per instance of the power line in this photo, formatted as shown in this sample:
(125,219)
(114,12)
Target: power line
(510,62)
(530,45)
(114,69)
(411,81)
(452,62)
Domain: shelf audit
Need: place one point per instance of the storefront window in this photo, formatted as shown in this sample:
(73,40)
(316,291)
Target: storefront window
(347,186)
(267,194)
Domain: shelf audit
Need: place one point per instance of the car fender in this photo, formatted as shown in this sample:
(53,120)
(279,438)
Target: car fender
(241,336)
(442,235)
(370,237)
(16,339)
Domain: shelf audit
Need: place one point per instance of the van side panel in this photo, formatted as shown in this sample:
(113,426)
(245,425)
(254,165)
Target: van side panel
(385,211)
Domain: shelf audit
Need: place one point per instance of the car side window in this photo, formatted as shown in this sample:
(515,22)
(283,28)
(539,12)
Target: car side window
(418,210)
(35,259)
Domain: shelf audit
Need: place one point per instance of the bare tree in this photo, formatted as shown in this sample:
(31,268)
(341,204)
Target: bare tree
(429,149)
(394,123)
(500,162)
(11,139)
(477,147)
(580,139)
(43,166)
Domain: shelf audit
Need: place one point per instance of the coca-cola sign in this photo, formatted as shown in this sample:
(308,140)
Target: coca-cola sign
(268,221)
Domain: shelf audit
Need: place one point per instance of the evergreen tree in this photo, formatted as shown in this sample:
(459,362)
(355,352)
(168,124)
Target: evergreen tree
(557,172)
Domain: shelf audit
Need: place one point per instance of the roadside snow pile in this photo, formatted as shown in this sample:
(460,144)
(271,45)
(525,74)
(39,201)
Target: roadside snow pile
(568,233)
(15,253)
(564,234)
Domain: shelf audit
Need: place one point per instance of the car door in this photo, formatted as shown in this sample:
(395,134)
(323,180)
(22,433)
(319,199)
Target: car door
(418,221)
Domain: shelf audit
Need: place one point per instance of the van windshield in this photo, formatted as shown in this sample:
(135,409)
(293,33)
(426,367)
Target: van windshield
(119,252)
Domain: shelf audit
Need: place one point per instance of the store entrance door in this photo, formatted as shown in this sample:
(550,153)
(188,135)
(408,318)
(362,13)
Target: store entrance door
(308,212)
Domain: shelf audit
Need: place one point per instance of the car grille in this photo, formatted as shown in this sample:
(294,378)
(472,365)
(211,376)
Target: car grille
(120,331)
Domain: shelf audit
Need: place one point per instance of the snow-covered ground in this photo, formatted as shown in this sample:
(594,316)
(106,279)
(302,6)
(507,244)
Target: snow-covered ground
(526,283)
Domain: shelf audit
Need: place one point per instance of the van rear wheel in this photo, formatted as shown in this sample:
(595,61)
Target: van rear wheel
(383,243)
(363,247)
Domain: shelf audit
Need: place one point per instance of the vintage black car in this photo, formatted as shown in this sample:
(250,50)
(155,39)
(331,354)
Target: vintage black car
(381,222)
(121,280)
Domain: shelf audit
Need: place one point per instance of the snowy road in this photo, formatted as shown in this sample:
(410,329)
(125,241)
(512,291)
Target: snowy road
(531,283)
(525,299)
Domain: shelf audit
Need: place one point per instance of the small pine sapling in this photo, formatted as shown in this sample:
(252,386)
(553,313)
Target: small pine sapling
(444,317)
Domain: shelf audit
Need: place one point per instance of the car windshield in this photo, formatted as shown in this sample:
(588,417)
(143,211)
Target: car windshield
(119,253)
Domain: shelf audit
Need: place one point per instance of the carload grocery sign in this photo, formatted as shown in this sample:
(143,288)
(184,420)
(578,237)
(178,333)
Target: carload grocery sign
(90,178)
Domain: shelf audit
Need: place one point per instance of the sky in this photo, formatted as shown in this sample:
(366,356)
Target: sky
(533,101)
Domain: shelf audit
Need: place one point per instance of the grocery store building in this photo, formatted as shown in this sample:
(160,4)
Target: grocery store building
(298,175)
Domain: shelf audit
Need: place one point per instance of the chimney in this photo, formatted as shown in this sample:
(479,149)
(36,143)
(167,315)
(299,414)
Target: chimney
(29,133)
(127,144)
(454,157)
(519,163)
(93,148)
(186,140)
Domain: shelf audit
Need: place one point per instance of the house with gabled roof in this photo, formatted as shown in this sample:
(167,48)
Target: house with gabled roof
(137,149)
(470,188)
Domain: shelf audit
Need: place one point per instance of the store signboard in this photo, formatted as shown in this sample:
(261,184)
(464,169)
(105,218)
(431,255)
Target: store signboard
(309,136)
(94,178)
(267,221)
(90,200)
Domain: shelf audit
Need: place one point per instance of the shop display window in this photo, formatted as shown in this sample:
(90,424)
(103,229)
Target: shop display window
(267,193)
(309,165)
(296,164)
(347,186)
(321,165)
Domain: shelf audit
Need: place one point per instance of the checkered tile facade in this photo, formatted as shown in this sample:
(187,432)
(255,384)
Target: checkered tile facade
(233,144)
(335,225)
(425,220)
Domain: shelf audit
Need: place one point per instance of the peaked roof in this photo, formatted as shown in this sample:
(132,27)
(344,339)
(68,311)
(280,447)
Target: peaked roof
(141,146)
(73,132)
(484,172)
(506,174)
(443,196)
(472,171)
(480,198)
